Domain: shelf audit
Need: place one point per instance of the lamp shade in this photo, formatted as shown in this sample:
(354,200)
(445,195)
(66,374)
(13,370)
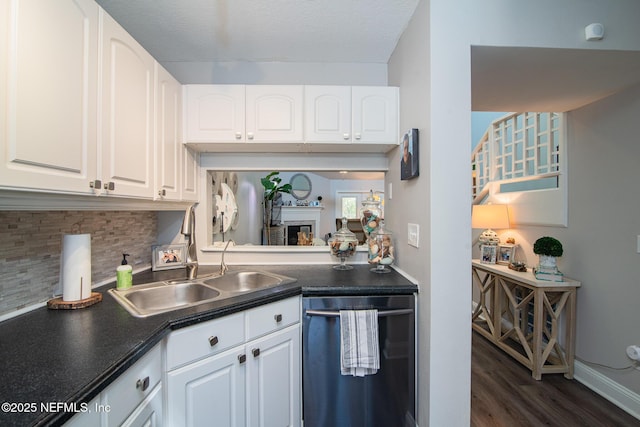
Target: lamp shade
(490,216)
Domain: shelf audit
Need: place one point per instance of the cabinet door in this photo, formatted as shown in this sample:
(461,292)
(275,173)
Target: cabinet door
(127,113)
(274,113)
(190,171)
(208,392)
(375,114)
(327,111)
(215,113)
(131,388)
(274,385)
(148,413)
(169,147)
(48,94)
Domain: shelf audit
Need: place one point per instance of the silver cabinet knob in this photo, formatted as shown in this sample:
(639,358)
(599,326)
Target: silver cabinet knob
(358,136)
(250,135)
(278,318)
(162,192)
(96,184)
(345,136)
(213,340)
(255,352)
(238,135)
(242,358)
(110,185)
(143,384)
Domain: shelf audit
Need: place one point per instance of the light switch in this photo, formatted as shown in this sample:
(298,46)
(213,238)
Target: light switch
(413,236)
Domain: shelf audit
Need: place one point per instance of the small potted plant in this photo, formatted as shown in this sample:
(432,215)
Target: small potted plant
(548,249)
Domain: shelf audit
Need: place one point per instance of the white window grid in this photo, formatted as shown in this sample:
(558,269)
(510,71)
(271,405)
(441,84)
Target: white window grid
(517,146)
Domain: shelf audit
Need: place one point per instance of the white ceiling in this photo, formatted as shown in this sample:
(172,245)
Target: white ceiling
(334,31)
(365,31)
(539,79)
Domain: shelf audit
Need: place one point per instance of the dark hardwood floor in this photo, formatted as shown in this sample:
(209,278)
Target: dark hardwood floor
(503,394)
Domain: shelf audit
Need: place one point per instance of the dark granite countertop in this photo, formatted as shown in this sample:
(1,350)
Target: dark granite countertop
(72,355)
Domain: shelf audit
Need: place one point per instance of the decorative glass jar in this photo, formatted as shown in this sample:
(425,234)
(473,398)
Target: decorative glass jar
(343,245)
(381,249)
(370,215)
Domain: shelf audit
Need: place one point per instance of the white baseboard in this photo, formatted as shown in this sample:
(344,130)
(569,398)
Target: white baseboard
(622,397)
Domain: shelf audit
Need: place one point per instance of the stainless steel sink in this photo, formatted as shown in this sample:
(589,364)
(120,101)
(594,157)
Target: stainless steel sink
(245,281)
(161,297)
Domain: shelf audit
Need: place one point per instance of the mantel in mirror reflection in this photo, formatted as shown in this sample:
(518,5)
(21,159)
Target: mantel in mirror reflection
(237,208)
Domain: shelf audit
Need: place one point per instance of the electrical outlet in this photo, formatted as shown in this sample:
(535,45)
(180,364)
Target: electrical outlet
(413,234)
(633,352)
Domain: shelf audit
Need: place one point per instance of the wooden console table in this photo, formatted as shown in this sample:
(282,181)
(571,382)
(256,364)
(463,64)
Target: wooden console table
(524,317)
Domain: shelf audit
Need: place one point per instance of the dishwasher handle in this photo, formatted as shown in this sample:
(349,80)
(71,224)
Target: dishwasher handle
(381,313)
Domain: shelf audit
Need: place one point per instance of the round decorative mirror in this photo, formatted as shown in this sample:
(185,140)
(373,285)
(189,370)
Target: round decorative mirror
(300,186)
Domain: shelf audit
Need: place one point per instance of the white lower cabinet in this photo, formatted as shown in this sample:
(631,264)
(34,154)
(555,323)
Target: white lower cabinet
(254,383)
(149,411)
(208,392)
(273,379)
(133,399)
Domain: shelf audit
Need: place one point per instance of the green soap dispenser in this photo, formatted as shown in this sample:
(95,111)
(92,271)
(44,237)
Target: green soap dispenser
(124,275)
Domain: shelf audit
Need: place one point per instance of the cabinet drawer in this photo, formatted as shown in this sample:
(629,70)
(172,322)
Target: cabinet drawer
(196,342)
(271,317)
(125,393)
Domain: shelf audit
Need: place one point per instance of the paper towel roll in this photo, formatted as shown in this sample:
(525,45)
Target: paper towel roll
(75,268)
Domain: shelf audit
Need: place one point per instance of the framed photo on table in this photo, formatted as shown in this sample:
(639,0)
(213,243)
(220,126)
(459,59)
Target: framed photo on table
(488,254)
(506,254)
(166,257)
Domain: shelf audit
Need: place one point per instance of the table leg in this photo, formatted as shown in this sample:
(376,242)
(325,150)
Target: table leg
(570,333)
(538,301)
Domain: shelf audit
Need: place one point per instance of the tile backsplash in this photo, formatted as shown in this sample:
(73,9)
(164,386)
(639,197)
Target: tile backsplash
(31,242)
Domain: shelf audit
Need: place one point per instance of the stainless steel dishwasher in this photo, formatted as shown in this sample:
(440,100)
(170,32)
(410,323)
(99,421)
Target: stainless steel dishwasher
(385,399)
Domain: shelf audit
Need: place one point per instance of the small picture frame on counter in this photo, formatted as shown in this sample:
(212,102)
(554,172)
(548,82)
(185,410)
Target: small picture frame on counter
(167,257)
(506,254)
(488,254)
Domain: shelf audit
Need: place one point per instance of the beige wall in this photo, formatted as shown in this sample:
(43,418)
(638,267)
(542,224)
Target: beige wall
(438,201)
(409,69)
(433,60)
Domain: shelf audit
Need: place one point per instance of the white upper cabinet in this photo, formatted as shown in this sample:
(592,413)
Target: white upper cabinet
(190,160)
(274,113)
(327,111)
(291,118)
(214,113)
(169,146)
(58,61)
(375,114)
(128,89)
(48,94)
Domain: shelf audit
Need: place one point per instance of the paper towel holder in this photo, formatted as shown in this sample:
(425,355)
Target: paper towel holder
(59,304)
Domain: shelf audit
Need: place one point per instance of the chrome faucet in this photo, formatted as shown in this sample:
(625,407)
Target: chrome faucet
(189,230)
(223,266)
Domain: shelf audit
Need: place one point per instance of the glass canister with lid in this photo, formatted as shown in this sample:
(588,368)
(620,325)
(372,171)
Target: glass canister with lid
(381,250)
(370,215)
(343,245)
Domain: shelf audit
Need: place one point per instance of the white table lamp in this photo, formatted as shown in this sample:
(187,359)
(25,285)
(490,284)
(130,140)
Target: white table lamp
(488,217)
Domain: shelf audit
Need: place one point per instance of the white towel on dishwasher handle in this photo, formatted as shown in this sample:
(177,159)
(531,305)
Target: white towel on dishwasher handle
(359,351)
